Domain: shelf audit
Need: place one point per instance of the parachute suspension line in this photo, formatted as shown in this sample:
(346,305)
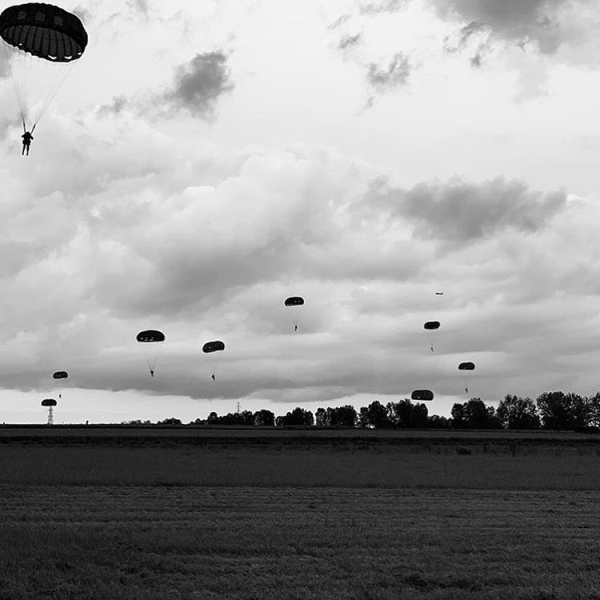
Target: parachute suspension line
(56,75)
(10,55)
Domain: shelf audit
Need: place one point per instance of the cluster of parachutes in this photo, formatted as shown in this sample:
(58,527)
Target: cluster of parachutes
(432,327)
(42,41)
(150,337)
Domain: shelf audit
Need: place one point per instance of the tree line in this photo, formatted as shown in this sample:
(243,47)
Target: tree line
(551,411)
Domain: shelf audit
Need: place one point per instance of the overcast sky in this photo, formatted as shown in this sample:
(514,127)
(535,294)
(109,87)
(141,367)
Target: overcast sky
(205,160)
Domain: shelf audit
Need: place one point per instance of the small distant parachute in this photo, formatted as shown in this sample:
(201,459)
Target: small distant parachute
(295,301)
(422,395)
(150,335)
(60,375)
(209,348)
(42,42)
(432,326)
(215,346)
(50,403)
(148,338)
(466,366)
(439,293)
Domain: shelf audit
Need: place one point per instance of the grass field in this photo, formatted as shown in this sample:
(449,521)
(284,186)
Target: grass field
(224,517)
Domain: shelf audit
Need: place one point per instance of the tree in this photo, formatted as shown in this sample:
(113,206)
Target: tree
(474,414)
(406,414)
(375,415)
(563,411)
(342,416)
(264,418)
(298,416)
(438,422)
(515,412)
(321,418)
(594,410)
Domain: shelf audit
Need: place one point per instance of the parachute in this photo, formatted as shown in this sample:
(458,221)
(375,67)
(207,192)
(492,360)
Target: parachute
(422,395)
(42,43)
(466,366)
(432,326)
(60,375)
(439,293)
(209,348)
(50,403)
(215,346)
(295,301)
(151,336)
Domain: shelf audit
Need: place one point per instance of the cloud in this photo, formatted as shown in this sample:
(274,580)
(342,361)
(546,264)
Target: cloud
(200,84)
(388,77)
(510,20)
(380,6)
(460,213)
(348,42)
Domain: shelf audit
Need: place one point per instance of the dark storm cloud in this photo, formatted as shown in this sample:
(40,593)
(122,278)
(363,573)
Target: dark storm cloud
(459,212)
(200,84)
(390,76)
(516,21)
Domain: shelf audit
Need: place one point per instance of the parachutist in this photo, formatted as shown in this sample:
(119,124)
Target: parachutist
(467,390)
(152,372)
(27,137)
(213,377)
(295,327)
(432,349)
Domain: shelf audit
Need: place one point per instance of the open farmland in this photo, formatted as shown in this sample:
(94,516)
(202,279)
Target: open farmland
(130,513)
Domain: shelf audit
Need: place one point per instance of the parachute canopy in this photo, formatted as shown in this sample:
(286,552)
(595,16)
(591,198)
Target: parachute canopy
(150,335)
(466,366)
(439,293)
(422,395)
(294,301)
(432,325)
(42,42)
(60,375)
(213,346)
(49,402)
(44,30)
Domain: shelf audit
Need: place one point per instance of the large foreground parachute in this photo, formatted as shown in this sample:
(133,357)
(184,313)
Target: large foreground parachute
(42,42)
